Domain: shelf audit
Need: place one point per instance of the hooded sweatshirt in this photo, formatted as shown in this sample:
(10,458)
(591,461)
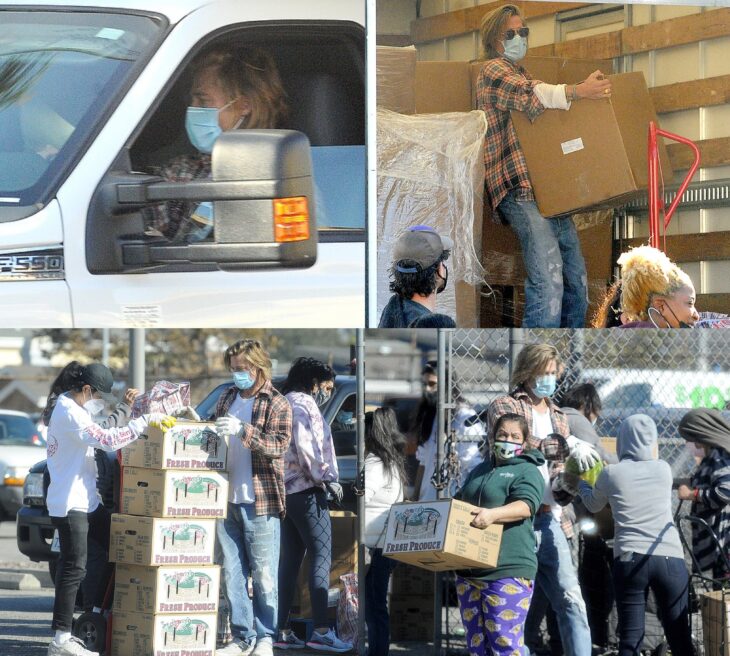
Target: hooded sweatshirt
(639,490)
(516,479)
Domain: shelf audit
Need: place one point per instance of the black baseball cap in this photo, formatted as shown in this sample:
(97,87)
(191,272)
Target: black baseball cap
(99,377)
(421,245)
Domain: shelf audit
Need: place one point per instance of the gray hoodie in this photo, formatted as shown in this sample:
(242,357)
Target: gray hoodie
(639,490)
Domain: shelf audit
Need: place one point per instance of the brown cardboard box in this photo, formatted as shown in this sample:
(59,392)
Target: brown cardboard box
(594,155)
(716,622)
(437,536)
(409,580)
(152,541)
(140,634)
(412,616)
(395,78)
(442,86)
(187,445)
(174,493)
(182,589)
(344,561)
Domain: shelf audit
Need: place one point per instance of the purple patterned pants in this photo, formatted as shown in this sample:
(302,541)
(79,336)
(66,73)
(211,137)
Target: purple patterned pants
(494,613)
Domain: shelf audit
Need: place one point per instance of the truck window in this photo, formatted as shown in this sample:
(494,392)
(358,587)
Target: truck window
(60,72)
(321,68)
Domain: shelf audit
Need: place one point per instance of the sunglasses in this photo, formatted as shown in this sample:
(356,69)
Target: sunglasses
(510,34)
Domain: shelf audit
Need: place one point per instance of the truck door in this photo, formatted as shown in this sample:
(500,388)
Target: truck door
(238,274)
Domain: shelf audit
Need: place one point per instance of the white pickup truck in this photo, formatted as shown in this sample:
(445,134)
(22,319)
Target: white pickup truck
(93,95)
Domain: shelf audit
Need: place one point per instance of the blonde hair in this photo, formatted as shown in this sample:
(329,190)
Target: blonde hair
(492,27)
(253,352)
(249,72)
(647,272)
(532,360)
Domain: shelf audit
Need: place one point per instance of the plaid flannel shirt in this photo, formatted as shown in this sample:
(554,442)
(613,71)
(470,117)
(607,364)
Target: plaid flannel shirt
(503,86)
(555,449)
(268,436)
(172,219)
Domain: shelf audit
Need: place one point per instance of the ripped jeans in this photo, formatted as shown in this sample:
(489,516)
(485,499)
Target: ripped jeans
(556,289)
(250,546)
(557,577)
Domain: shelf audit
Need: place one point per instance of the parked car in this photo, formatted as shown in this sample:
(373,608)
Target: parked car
(35,531)
(20,448)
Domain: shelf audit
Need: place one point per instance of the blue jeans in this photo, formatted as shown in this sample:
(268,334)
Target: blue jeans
(633,575)
(250,546)
(377,616)
(556,288)
(557,578)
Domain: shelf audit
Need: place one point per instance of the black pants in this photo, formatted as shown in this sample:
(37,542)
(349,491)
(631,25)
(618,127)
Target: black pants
(305,529)
(594,574)
(633,575)
(376,603)
(72,533)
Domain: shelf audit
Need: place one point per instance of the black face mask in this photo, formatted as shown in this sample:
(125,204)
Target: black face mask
(445,279)
(431,396)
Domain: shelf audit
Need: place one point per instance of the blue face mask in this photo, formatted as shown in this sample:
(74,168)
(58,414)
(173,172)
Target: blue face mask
(203,127)
(516,48)
(321,397)
(545,386)
(243,380)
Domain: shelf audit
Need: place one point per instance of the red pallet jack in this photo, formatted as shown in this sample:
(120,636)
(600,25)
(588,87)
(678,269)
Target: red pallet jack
(657,227)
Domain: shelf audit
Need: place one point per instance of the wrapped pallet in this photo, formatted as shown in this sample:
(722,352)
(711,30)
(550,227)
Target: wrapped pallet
(431,172)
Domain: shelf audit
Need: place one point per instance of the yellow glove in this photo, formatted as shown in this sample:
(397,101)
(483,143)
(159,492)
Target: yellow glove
(163,422)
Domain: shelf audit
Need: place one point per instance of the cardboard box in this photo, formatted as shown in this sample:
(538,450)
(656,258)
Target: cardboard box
(716,622)
(594,155)
(187,445)
(412,617)
(152,541)
(437,536)
(396,78)
(409,580)
(140,634)
(173,493)
(443,86)
(344,561)
(183,589)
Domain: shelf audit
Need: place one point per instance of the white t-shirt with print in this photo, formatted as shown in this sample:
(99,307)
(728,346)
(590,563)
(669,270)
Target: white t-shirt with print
(240,472)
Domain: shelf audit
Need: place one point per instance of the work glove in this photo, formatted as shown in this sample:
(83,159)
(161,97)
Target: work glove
(188,412)
(229,426)
(161,421)
(584,454)
(335,491)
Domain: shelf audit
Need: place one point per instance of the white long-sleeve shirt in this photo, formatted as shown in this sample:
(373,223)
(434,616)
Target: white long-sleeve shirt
(72,438)
(381,491)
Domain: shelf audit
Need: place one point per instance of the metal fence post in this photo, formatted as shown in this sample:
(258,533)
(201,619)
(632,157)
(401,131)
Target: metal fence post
(516,342)
(137,358)
(440,442)
(360,374)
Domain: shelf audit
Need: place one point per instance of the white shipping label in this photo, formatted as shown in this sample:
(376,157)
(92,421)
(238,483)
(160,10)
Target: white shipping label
(572,146)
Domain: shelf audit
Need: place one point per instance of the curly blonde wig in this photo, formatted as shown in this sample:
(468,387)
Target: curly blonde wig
(647,272)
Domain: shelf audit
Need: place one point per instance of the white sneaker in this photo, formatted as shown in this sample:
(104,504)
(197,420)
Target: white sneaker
(263,648)
(328,642)
(72,647)
(289,640)
(236,648)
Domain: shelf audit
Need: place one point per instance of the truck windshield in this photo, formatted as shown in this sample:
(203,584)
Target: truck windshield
(59,73)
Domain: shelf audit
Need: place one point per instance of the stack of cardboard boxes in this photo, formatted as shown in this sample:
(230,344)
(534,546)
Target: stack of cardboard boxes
(166,591)
(411,602)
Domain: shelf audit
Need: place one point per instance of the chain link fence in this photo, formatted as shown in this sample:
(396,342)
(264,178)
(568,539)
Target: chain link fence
(658,373)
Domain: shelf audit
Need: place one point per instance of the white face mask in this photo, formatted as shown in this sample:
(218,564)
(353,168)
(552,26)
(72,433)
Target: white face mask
(94,406)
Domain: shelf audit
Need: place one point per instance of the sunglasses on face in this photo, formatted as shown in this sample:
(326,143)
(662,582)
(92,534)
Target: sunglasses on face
(510,34)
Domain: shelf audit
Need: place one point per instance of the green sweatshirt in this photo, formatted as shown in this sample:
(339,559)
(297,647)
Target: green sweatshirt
(517,479)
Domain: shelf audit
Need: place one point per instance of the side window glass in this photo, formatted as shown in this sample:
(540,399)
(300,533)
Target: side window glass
(344,427)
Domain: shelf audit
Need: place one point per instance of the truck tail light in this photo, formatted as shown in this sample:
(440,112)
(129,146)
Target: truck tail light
(291,219)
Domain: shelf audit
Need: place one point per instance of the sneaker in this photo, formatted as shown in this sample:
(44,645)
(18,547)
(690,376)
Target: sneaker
(236,648)
(263,648)
(328,642)
(72,647)
(289,640)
